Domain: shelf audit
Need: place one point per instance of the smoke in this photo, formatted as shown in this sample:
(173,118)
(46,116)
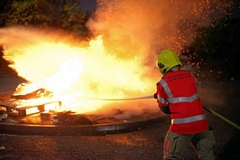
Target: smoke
(143,28)
(154,24)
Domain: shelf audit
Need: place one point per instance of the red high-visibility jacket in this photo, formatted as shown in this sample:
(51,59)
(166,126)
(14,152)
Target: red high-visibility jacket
(178,91)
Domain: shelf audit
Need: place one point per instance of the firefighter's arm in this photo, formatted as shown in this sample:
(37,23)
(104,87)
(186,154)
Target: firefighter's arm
(165,109)
(163,104)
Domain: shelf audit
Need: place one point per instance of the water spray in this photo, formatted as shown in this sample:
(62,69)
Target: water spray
(151,96)
(119,99)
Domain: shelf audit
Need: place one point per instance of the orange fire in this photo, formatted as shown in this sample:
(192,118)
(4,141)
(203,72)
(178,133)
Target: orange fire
(76,74)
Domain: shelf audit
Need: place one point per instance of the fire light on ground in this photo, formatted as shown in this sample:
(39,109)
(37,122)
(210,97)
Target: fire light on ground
(118,63)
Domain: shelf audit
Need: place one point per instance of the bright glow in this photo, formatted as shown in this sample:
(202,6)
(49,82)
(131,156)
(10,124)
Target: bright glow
(77,74)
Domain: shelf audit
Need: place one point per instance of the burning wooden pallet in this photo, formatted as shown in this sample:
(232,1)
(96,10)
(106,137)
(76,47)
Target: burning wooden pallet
(29,99)
(27,107)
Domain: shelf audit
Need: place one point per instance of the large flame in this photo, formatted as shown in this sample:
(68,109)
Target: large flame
(77,74)
(118,63)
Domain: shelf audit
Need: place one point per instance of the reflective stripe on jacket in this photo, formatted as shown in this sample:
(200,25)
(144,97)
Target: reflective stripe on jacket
(178,89)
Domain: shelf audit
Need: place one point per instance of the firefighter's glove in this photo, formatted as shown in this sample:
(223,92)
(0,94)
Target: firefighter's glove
(155,95)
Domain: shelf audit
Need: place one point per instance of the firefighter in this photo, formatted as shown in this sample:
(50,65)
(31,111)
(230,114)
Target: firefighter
(177,95)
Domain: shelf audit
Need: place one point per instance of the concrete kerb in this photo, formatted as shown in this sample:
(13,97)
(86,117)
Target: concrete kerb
(86,130)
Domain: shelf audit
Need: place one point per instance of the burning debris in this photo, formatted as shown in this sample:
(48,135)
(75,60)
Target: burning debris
(68,117)
(34,104)
(29,99)
(30,91)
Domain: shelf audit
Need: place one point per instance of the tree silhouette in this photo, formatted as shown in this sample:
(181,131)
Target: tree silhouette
(66,15)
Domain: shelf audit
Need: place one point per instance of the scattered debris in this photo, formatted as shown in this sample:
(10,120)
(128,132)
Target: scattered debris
(69,117)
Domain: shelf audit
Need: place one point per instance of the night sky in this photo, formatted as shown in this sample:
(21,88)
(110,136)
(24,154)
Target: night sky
(88,5)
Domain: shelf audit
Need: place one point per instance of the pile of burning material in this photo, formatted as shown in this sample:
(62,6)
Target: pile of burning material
(29,99)
(68,117)
(30,91)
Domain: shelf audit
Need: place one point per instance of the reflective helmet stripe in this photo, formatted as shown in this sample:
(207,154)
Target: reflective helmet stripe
(171,99)
(188,120)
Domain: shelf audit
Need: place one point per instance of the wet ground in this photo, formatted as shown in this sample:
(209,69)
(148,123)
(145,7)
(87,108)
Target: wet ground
(142,143)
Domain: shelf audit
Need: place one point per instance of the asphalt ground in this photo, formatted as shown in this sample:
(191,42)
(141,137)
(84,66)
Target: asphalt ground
(143,142)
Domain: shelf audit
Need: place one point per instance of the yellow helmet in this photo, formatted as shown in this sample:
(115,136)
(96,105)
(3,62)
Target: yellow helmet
(167,59)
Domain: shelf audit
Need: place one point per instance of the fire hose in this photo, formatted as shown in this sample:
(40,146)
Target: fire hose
(151,96)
